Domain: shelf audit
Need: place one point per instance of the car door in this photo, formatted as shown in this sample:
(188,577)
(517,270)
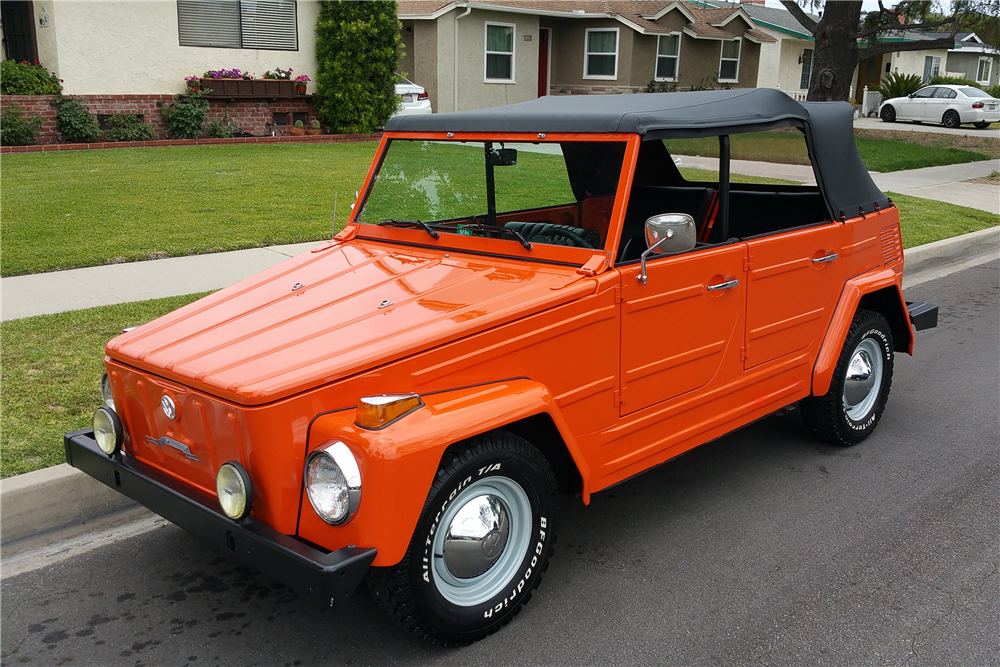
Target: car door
(793,283)
(679,324)
(914,107)
(937,104)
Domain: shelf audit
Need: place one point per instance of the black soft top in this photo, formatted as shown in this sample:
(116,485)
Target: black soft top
(828,127)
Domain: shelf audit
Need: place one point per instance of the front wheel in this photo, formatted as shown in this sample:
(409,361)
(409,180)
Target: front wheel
(483,540)
(888,114)
(982,125)
(951,119)
(850,410)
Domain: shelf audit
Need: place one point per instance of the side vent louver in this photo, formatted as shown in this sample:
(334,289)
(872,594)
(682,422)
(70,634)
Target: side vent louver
(892,249)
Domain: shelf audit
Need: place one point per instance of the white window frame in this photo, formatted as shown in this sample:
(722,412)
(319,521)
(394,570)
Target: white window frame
(586,54)
(512,54)
(739,55)
(935,68)
(656,66)
(989,69)
(806,64)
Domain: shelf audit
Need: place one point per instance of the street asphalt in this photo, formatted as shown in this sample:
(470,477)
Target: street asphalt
(762,548)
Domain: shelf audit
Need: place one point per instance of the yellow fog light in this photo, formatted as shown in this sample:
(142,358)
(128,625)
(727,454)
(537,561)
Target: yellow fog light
(374,412)
(235,492)
(108,432)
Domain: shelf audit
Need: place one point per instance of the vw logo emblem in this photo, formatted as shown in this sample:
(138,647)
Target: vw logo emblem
(169,409)
(493,544)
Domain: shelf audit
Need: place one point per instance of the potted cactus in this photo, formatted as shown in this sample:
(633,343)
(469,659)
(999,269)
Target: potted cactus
(314,128)
(297,130)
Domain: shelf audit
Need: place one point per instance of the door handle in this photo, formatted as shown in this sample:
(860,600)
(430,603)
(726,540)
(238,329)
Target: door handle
(729,284)
(829,258)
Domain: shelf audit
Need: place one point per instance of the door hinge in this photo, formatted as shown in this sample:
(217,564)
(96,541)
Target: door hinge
(618,293)
(746,264)
(618,397)
(743,352)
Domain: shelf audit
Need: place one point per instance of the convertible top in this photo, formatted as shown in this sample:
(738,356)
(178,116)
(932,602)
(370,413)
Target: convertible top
(828,126)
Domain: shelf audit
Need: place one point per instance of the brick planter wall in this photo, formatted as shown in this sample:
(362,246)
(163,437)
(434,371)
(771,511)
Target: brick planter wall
(251,114)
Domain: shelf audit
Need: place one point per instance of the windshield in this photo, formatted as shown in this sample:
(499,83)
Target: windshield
(547,193)
(973,92)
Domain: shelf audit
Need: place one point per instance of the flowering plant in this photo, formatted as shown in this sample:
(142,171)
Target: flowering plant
(278,73)
(302,79)
(227,74)
(193,81)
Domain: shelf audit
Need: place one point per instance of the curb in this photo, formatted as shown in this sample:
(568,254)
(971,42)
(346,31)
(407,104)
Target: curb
(46,500)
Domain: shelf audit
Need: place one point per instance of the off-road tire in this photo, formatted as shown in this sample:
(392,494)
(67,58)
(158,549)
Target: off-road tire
(951,119)
(408,592)
(827,416)
(888,114)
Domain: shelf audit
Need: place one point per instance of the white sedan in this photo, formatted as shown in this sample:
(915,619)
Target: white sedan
(413,99)
(949,105)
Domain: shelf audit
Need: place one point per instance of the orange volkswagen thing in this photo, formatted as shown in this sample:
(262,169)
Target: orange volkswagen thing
(528,300)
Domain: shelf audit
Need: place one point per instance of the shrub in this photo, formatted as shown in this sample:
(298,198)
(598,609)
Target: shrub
(953,81)
(16,128)
(75,121)
(186,115)
(24,78)
(899,85)
(128,127)
(357,52)
(224,128)
(994,91)
(661,87)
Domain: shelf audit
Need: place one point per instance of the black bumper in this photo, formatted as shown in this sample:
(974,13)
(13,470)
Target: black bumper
(327,578)
(922,314)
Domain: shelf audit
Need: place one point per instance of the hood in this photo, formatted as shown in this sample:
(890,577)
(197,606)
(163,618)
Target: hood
(334,312)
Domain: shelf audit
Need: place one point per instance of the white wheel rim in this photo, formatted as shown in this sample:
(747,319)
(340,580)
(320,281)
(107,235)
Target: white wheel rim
(476,590)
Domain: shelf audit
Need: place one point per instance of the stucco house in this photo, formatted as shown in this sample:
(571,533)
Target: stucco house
(482,54)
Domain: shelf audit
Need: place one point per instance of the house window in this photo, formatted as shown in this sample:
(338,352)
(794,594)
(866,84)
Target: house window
(807,69)
(983,73)
(499,52)
(932,66)
(729,64)
(668,56)
(600,59)
(238,24)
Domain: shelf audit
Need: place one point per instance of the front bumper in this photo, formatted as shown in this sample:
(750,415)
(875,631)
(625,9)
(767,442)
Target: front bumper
(327,578)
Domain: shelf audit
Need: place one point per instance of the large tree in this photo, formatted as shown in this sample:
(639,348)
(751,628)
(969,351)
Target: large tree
(844,37)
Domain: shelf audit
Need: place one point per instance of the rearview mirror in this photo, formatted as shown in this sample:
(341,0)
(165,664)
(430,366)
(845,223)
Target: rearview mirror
(504,157)
(667,234)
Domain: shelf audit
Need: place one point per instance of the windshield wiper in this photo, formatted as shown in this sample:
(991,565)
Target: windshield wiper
(410,223)
(501,230)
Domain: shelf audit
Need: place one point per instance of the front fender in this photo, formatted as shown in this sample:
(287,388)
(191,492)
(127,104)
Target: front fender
(398,462)
(855,289)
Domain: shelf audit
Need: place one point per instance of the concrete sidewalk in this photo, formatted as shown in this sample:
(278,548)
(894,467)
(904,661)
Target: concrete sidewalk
(59,291)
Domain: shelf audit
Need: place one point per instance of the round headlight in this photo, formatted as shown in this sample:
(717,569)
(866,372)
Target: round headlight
(109,400)
(333,483)
(235,492)
(108,431)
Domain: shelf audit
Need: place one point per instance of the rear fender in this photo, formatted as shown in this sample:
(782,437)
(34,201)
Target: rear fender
(399,461)
(880,291)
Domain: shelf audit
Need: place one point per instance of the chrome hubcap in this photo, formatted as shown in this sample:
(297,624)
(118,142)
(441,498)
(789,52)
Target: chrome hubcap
(863,379)
(482,537)
(476,537)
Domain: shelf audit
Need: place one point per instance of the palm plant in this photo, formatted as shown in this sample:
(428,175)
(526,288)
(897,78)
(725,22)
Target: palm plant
(899,85)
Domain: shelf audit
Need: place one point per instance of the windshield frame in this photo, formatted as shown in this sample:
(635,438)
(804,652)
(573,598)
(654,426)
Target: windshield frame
(499,246)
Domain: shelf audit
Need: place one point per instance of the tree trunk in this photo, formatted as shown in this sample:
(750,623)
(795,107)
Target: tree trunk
(836,53)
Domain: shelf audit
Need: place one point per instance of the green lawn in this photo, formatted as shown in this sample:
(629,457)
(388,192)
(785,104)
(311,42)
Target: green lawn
(51,367)
(789,147)
(51,364)
(86,208)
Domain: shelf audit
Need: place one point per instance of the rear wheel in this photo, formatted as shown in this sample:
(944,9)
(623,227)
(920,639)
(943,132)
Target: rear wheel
(982,125)
(888,114)
(850,410)
(483,540)
(951,119)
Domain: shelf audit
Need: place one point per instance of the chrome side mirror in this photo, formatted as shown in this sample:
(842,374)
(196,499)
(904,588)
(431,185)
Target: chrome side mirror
(667,234)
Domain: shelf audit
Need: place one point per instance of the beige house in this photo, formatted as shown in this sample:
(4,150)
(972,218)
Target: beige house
(149,46)
(472,55)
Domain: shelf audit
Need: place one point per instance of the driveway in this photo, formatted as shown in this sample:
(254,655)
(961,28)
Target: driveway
(992,132)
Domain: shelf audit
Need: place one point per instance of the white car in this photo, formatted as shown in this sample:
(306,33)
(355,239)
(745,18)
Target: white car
(949,105)
(413,99)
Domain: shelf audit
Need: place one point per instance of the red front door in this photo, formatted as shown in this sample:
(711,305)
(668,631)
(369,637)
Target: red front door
(543,62)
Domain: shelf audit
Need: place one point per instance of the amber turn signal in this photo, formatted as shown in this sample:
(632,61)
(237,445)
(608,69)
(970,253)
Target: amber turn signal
(375,412)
